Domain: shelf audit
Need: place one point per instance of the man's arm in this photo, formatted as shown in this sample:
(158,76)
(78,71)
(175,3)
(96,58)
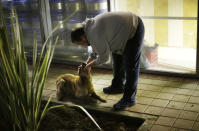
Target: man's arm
(90,63)
(89,60)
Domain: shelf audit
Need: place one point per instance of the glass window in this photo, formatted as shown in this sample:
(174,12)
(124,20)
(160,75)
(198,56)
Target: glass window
(61,9)
(170,32)
(29,19)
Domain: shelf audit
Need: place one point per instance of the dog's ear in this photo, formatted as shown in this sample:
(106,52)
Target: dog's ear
(83,65)
(81,68)
(88,69)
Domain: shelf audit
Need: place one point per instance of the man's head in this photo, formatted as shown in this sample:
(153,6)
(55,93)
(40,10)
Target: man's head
(78,37)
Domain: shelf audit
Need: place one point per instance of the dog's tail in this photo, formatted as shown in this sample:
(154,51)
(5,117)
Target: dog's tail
(94,95)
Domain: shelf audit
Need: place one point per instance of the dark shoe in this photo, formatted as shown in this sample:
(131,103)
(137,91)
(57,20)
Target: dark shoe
(122,104)
(113,90)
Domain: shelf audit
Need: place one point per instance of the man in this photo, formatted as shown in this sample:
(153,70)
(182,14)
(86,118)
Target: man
(119,33)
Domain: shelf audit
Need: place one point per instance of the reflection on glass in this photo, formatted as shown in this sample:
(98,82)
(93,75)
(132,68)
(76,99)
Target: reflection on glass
(28,16)
(59,10)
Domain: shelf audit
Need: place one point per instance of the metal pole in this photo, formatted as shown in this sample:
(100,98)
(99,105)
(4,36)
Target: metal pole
(197,54)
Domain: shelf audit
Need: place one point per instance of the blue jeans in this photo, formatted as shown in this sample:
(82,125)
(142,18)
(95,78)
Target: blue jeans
(126,67)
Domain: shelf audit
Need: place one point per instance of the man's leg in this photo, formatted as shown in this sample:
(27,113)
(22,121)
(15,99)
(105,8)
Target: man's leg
(118,71)
(131,61)
(118,81)
(132,64)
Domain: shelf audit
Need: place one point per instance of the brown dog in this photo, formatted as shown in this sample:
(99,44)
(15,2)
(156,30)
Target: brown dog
(69,85)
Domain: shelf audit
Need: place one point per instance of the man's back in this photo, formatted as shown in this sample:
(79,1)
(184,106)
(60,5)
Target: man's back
(114,28)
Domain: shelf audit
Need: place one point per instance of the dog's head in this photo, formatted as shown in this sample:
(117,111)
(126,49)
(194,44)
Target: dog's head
(82,71)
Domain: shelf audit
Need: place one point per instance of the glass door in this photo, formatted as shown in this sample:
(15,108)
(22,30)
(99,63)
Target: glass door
(66,51)
(29,19)
(170,33)
(41,16)
(59,10)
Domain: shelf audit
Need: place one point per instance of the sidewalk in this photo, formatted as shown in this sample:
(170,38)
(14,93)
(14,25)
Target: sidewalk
(167,103)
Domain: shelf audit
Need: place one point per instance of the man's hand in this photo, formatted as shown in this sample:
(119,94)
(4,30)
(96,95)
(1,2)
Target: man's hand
(84,67)
(89,60)
(89,65)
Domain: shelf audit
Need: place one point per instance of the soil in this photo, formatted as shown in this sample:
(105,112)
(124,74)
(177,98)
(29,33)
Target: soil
(69,119)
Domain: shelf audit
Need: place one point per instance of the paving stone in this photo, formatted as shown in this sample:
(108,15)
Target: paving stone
(190,86)
(171,112)
(169,78)
(108,104)
(196,126)
(191,107)
(97,76)
(194,99)
(195,93)
(138,108)
(184,91)
(142,86)
(185,124)
(181,98)
(115,97)
(98,87)
(101,82)
(149,87)
(94,81)
(169,90)
(159,102)
(53,95)
(178,129)
(154,110)
(148,76)
(188,115)
(108,77)
(149,119)
(167,96)
(47,92)
(176,105)
(144,100)
(160,128)
(165,121)
(197,88)
(50,86)
(167,83)
(144,81)
(149,94)
(139,93)
(101,94)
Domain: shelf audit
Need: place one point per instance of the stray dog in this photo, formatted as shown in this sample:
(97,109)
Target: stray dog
(76,86)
